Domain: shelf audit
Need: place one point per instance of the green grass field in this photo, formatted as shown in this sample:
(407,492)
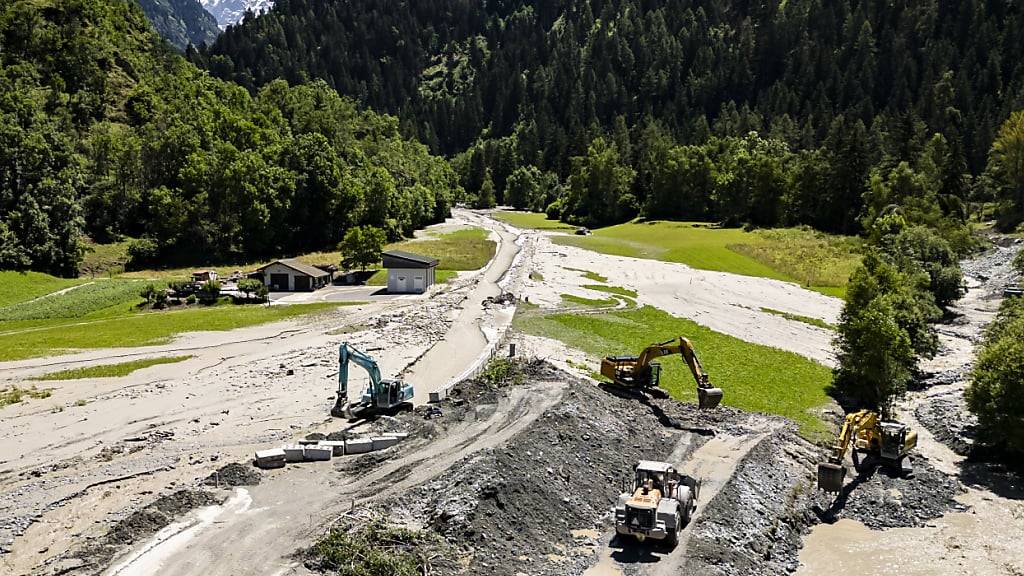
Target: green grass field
(45,338)
(534,220)
(754,377)
(592,276)
(111,370)
(617,290)
(818,261)
(468,249)
(589,302)
(92,298)
(23,286)
(798,318)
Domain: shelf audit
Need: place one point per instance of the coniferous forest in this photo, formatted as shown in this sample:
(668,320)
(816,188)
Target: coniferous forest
(767,113)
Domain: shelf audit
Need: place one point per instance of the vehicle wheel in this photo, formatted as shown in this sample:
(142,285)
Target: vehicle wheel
(672,536)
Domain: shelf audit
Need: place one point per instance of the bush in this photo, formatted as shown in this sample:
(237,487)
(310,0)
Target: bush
(160,300)
(142,253)
(148,293)
(209,292)
(191,299)
(182,287)
(251,287)
(996,392)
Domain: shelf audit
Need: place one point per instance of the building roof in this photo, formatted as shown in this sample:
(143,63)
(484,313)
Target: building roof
(424,261)
(299,266)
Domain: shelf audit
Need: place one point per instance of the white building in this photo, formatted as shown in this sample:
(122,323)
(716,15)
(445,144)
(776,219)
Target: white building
(408,273)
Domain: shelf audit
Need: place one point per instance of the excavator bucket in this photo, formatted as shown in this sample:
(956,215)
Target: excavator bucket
(708,397)
(831,476)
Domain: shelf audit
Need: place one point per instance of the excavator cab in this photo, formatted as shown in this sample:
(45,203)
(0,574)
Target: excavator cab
(892,441)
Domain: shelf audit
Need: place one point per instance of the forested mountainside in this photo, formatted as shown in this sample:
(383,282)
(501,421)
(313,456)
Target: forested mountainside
(835,90)
(181,22)
(105,131)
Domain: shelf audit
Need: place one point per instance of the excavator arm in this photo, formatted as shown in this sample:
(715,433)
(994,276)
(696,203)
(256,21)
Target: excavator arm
(832,473)
(707,395)
(345,355)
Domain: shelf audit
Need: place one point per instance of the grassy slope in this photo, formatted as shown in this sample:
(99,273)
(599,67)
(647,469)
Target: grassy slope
(111,370)
(21,286)
(754,377)
(816,260)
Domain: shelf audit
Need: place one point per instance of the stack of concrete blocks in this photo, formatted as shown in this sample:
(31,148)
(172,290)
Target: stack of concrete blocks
(320,450)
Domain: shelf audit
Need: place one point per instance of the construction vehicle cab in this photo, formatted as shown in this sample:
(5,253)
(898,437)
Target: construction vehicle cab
(379,396)
(643,373)
(659,504)
(889,442)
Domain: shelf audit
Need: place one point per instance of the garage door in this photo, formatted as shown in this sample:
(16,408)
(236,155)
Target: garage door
(417,284)
(302,284)
(278,282)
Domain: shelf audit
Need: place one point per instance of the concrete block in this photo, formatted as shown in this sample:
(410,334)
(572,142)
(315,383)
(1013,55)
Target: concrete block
(337,446)
(358,445)
(317,453)
(437,396)
(274,458)
(399,435)
(382,442)
(293,453)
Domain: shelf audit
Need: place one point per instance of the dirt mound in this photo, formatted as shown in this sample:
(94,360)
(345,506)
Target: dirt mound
(94,556)
(518,505)
(234,474)
(949,421)
(879,498)
(755,523)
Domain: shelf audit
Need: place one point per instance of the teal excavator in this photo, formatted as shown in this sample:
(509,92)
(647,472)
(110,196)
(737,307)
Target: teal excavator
(379,396)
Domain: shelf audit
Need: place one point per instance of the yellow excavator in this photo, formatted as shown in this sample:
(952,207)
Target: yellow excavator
(641,372)
(888,441)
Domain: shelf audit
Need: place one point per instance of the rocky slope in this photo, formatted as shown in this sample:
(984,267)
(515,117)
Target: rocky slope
(228,12)
(181,22)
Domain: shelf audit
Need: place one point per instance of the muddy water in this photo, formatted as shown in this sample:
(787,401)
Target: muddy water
(984,540)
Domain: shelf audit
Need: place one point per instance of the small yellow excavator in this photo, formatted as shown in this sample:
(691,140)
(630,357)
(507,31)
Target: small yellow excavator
(641,372)
(888,441)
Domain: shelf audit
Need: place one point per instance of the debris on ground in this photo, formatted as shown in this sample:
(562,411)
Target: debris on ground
(234,474)
(503,299)
(141,524)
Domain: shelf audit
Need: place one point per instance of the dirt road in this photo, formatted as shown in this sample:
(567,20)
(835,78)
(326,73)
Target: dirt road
(167,425)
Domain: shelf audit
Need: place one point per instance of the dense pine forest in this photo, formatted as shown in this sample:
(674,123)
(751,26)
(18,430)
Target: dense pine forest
(105,131)
(662,98)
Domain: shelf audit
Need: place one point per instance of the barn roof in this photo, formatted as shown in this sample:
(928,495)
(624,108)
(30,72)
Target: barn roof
(424,261)
(299,266)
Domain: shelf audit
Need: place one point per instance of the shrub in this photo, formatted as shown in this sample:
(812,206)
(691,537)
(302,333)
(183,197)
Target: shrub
(252,287)
(182,287)
(142,253)
(149,293)
(996,392)
(209,292)
(191,299)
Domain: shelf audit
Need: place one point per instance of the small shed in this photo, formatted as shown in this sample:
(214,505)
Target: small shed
(408,273)
(204,275)
(291,275)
